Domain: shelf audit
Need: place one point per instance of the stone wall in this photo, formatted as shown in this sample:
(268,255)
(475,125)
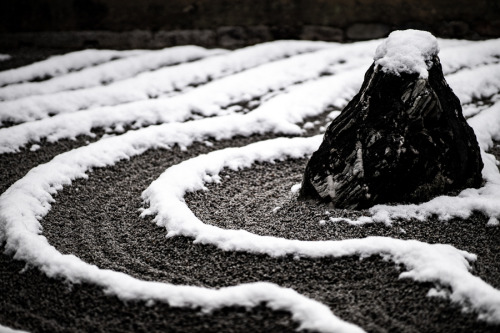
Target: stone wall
(234,23)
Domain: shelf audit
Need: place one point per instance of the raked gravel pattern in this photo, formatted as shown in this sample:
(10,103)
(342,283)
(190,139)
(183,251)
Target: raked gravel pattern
(98,220)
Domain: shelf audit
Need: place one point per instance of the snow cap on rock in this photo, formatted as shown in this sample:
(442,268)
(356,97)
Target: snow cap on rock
(407,51)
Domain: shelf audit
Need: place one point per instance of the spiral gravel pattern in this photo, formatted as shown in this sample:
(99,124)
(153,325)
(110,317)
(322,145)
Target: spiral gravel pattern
(98,220)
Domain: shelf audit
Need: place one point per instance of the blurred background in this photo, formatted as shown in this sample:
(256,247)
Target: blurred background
(125,24)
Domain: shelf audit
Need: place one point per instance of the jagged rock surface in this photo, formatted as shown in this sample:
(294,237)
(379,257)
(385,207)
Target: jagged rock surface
(402,139)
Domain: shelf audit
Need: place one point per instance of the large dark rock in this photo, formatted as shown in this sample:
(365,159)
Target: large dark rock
(401,139)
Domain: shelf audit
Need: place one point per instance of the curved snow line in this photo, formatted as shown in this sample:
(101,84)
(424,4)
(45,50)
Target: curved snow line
(29,199)
(210,99)
(62,64)
(476,107)
(442,264)
(34,249)
(154,84)
(486,125)
(109,72)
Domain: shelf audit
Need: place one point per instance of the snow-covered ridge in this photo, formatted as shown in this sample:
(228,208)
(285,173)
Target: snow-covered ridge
(440,264)
(212,99)
(27,201)
(407,51)
(63,64)
(478,79)
(109,72)
(154,84)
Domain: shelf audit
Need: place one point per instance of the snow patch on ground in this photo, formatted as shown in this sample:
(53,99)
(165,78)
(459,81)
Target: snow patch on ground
(34,147)
(5,57)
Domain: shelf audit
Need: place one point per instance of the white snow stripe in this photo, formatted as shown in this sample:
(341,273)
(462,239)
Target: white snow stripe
(469,55)
(29,199)
(62,64)
(441,264)
(154,84)
(475,84)
(109,72)
(486,125)
(210,99)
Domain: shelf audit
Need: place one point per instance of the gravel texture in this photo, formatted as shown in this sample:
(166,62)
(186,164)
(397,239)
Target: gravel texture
(26,55)
(98,220)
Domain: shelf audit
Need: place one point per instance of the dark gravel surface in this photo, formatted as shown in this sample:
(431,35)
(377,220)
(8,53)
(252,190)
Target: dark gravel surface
(26,55)
(98,220)
(15,165)
(269,187)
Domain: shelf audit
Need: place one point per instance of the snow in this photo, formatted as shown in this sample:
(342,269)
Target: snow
(486,126)
(34,147)
(296,188)
(153,84)
(210,99)
(63,64)
(308,125)
(472,54)
(441,264)
(5,329)
(435,292)
(288,90)
(109,72)
(475,84)
(214,97)
(29,199)
(5,57)
(407,51)
(493,221)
